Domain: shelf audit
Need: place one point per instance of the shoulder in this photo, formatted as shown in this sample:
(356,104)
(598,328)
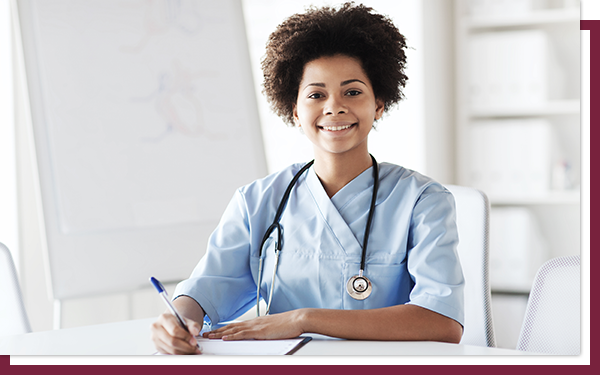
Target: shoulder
(270,187)
(397,180)
(278,178)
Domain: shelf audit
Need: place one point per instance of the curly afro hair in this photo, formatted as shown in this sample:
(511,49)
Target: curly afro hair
(352,30)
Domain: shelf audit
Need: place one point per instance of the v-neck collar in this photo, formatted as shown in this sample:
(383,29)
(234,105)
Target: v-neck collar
(338,226)
(359,185)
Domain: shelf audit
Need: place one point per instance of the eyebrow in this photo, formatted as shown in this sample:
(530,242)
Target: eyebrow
(350,81)
(344,83)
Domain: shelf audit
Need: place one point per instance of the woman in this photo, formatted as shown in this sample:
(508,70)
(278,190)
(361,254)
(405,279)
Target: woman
(368,250)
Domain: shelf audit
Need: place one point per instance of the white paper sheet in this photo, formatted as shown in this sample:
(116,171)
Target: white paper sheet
(249,347)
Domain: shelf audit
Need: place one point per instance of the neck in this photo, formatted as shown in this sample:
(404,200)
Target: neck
(337,170)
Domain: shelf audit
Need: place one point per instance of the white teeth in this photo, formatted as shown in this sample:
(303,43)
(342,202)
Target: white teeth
(336,128)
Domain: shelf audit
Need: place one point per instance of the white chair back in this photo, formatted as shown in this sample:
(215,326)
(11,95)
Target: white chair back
(472,221)
(13,317)
(552,322)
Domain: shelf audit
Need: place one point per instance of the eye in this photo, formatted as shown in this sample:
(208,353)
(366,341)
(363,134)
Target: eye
(315,95)
(353,92)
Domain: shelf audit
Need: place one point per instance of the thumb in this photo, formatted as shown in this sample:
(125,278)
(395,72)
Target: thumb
(194,327)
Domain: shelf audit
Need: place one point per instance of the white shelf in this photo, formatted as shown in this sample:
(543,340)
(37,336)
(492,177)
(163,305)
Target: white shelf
(555,211)
(527,227)
(535,18)
(556,107)
(549,198)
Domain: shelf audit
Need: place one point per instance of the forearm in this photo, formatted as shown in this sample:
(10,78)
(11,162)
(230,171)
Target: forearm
(189,308)
(402,322)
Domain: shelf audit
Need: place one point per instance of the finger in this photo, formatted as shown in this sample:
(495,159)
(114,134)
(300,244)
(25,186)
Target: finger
(174,328)
(223,331)
(241,332)
(194,327)
(165,343)
(241,335)
(217,334)
(245,333)
(218,331)
(156,334)
(172,343)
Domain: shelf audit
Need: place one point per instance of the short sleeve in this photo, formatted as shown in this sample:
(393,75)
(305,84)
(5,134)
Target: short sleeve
(433,261)
(222,282)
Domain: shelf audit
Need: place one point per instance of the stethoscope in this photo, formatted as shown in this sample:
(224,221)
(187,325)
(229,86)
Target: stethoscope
(358,286)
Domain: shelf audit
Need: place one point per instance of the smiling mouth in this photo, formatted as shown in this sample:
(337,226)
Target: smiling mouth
(336,128)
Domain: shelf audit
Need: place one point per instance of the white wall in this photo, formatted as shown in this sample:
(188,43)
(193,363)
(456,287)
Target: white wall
(417,135)
(438,91)
(8,186)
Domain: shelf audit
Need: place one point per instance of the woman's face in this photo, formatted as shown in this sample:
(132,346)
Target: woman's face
(336,105)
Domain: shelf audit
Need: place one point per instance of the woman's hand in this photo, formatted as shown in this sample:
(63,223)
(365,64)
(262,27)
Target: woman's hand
(399,323)
(277,326)
(170,337)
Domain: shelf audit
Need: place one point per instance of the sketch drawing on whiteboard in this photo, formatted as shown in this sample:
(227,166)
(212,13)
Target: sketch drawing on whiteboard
(177,104)
(161,16)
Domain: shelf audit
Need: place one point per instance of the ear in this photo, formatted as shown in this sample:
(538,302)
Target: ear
(296,118)
(379,108)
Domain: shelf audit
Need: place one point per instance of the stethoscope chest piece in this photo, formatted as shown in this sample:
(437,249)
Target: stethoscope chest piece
(359,287)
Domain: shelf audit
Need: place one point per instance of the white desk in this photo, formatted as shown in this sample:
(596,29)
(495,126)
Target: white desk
(133,338)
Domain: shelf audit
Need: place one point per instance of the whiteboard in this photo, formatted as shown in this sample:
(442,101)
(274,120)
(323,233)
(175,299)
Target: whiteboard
(145,122)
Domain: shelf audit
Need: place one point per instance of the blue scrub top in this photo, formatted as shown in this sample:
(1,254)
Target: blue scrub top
(411,254)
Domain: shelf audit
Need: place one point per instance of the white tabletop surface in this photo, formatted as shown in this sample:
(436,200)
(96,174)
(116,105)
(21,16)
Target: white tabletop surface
(133,338)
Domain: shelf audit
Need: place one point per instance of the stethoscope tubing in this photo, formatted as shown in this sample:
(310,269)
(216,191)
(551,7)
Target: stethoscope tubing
(278,243)
(280,209)
(370,218)
(277,225)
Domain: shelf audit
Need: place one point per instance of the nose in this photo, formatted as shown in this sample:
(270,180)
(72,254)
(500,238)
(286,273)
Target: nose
(334,106)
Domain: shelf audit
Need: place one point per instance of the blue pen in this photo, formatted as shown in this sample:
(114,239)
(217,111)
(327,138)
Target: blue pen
(163,293)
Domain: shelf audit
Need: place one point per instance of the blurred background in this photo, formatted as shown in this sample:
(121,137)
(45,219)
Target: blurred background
(492,102)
